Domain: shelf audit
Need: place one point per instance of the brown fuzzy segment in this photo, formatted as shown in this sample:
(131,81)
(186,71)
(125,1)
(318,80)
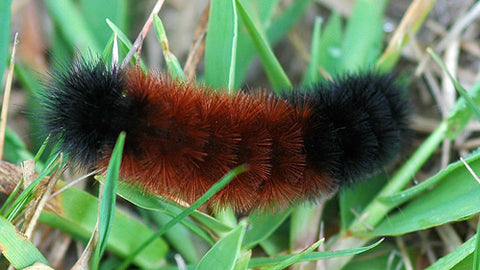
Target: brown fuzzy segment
(188,137)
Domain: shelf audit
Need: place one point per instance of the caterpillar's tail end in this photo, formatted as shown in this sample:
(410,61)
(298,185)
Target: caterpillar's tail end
(84,110)
(359,123)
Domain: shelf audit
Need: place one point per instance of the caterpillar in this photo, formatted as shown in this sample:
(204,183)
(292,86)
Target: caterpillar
(181,138)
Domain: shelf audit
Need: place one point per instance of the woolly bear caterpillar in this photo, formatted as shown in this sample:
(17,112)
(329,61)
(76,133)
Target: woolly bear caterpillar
(181,138)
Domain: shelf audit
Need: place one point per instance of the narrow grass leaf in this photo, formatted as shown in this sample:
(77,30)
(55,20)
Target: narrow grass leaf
(221,44)
(74,211)
(179,237)
(456,256)
(458,87)
(205,197)
(5,8)
(107,202)
(275,25)
(173,65)
(263,225)
(476,253)
(454,198)
(124,39)
(363,34)
(411,22)
(15,150)
(329,56)
(73,26)
(313,256)
(461,112)
(275,73)
(406,195)
(29,193)
(18,250)
(243,260)
(354,199)
(140,198)
(312,74)
(296,257)
(225,252)
(95,12)
(11,197)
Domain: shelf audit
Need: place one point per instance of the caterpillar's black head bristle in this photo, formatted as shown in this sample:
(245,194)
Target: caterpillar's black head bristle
(358,124)
(84,109)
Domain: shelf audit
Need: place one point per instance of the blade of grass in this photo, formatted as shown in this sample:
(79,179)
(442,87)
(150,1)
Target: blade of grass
(263,225)
(297,257)
(313,256)
(221,44)
(476,253)
(18,250)
(214,189)
(95,12)
(75,212)
(124,39)
(363,34)
(5,9)
(107,203)
(173,65)
(411,22)
(225,252)
(275,25)
(457,85)
(275,73)
(406,195)
(137,196)
(6,96)
(73,26)
(312,75)
(453,258)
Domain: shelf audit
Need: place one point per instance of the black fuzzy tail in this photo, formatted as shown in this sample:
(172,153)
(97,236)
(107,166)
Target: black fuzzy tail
(84,108)
(358,124)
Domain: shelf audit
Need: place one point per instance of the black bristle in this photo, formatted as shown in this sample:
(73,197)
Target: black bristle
(358,124)
(85,110)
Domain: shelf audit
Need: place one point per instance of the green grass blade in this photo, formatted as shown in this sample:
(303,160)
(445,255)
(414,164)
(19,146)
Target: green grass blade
(29,193)
(263,225)
(124,39)
(454,198)
(73,26)
(453,258)
(312,75)
(107,203)
(275,73)
(363,34)
(225,252)
(313,256)
(457,85)
(412,21)
(75,212)
(406,195)
(18,250)
(138,196)
(221,44)
(243,260)
(95,12)
(296,257)
(180,238)
(330,45)
(173,65)
(214,189)
(275,27)
(476,253)
(5,8)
